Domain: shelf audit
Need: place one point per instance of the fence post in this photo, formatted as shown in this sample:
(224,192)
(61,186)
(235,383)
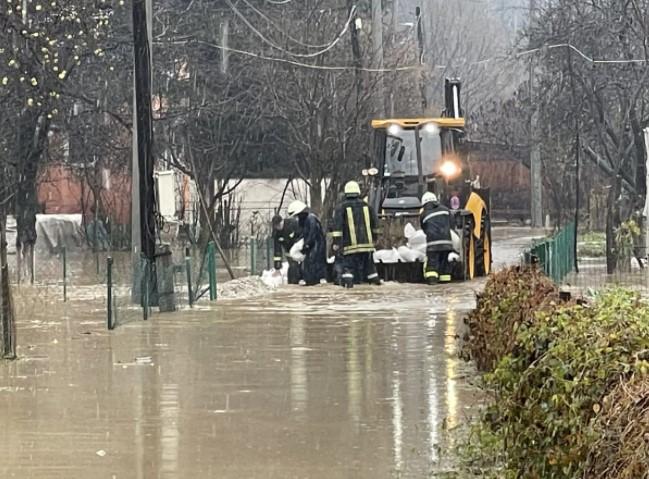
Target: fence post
(269,248)
(253,257)
(65,275)
(109,294)
(146,293)
(188,268)
(211,269)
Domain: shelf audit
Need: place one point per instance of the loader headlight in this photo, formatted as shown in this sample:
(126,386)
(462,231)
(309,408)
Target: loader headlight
(431,129)
(394,130)
(450,169)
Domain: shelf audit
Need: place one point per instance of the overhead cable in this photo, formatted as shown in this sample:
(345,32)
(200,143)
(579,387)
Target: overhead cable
(307,65)
(277,27)
(277,47)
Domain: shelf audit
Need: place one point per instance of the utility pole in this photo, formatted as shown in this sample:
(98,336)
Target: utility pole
(225,55)
(421,39)
(355,29)
(377,47)
(536,180)
(646,207)
(143,195)
(393,46)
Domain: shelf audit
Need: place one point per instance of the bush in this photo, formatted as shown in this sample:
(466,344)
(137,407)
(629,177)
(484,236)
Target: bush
(549,391)
(510,299)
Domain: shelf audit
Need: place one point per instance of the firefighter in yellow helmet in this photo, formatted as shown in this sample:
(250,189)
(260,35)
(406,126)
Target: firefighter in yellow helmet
(355,230)
(436,223)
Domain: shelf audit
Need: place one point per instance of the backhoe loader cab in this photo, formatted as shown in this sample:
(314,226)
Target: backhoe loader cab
(415,155)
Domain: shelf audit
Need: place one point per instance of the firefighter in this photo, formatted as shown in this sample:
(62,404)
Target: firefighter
(285,233)
(314,266)
(355,228)
(436,223)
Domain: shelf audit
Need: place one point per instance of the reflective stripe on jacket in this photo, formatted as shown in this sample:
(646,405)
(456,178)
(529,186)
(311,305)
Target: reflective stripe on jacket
(355,227)
(436,223)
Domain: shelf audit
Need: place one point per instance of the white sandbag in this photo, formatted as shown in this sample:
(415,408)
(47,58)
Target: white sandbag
(453,258)
(386,256)
(410,255)
(409,231)
(418,241)
(457,242)
(296,252)
(274,278)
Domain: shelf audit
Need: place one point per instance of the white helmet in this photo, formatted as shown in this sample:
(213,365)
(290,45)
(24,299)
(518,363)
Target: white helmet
(296,207)
(428,198)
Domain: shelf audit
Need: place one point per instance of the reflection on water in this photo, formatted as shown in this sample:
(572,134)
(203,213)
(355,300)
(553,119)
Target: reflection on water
(397,426)
(299,386)
(315,383)
(169,435)
(354,371)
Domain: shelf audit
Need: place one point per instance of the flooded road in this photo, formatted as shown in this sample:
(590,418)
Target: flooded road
(305,383)
(302,383)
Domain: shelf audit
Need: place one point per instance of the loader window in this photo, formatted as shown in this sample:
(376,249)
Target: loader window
(401,153)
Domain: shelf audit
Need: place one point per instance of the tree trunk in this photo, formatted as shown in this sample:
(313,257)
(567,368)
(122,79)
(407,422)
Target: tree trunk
(30,143)
(612,225)
(316,195)
(8,350)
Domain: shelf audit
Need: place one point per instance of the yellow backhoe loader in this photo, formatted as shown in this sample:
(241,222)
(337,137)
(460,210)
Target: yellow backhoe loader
(412,156)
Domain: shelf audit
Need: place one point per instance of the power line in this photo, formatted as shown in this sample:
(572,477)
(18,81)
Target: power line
(408,68)
(583,55)
(304,65)
(277,47)
(277,27)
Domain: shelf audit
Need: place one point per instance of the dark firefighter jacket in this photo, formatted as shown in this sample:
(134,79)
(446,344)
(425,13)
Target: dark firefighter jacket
(285,238)
(314,267)
(436,223)
(355,227)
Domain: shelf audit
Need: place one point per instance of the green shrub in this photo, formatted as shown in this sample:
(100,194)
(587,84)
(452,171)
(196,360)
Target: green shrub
(510,299)
(548,392)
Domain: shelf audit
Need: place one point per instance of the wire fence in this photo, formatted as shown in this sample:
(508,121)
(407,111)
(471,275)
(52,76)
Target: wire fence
(113,283)
(630,272)
(556,255)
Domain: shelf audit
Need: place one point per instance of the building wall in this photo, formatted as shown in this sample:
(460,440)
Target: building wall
(62,192)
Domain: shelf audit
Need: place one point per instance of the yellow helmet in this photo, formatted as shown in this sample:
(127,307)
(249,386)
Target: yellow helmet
(352,188)
(296,207)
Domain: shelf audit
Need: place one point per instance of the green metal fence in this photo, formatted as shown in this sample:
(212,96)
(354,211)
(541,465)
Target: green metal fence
(556,254)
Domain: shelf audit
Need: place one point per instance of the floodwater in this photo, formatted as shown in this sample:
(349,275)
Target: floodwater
(301,383)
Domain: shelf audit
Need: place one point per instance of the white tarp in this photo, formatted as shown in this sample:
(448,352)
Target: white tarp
(56,231)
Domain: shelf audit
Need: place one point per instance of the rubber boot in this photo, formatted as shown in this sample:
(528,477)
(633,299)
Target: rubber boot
(347,280)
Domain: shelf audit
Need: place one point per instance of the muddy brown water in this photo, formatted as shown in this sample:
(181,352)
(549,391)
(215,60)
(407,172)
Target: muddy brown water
(301,383)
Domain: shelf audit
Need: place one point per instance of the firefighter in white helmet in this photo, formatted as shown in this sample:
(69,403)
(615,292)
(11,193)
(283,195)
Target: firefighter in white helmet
(355,231)
(436,223)
(314,267)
